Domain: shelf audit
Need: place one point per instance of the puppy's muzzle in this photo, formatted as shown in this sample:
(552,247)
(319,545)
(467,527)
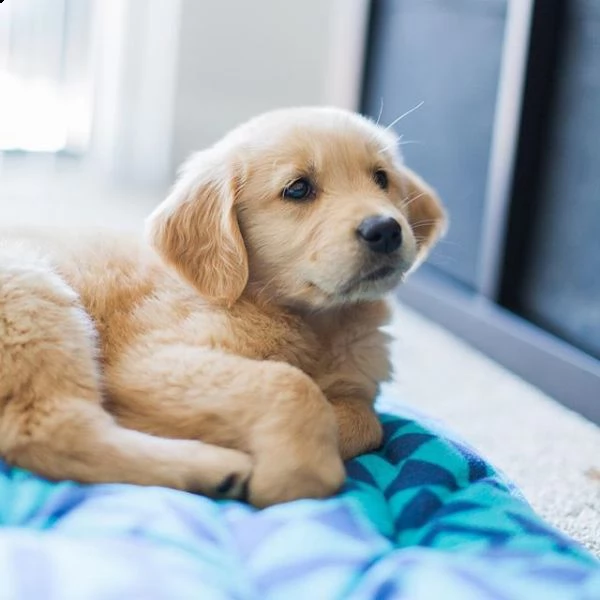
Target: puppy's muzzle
(381,234)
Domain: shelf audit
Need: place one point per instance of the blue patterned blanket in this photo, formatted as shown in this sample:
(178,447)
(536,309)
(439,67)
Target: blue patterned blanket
(422,519)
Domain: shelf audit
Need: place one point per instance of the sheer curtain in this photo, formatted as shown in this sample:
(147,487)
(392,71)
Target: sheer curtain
(46,80)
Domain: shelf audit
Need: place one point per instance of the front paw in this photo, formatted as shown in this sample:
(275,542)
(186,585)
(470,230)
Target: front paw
(282,478)
(220,473)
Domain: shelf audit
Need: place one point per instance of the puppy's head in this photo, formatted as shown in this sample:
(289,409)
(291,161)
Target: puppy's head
(310,207)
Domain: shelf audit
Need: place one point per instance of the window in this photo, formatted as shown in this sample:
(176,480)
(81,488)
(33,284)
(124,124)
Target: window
(45,75)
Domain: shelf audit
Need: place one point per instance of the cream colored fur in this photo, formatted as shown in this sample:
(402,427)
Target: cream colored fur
(236,351)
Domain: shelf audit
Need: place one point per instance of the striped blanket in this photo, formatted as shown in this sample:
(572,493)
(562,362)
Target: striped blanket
(424,518)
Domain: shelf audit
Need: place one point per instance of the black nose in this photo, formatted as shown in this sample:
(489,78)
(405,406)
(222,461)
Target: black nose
(381,234)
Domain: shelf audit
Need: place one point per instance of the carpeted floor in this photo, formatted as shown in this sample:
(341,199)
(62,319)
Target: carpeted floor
(551,453)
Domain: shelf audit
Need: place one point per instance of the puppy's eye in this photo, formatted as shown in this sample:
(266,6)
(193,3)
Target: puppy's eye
(381,179)
(301,189)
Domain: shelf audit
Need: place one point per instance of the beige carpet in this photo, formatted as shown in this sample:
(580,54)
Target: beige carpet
(552,454)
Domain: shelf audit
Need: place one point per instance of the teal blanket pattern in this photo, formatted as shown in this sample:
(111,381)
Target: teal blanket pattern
(424,518)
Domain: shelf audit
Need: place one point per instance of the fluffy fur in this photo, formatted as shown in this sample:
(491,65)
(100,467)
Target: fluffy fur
(235,351)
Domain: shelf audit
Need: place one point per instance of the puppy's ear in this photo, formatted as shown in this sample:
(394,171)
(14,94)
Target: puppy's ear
(196,229)
(425,213)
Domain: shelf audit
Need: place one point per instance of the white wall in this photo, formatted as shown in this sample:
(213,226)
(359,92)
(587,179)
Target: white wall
(176,75)
(239,57)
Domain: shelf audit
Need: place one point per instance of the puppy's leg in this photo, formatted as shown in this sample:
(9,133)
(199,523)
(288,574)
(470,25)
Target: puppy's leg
(51,418)
(359,426)
(269,409)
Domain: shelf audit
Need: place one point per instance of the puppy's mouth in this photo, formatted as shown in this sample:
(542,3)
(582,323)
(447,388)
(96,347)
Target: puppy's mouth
(375,276)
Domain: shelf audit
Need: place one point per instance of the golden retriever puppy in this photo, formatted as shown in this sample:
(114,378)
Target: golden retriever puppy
(238,350)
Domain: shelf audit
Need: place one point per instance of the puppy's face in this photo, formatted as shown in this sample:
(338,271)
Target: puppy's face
(309,207)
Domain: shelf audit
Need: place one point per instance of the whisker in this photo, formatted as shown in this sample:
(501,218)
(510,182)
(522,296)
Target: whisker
(412,199)
(408,112)
(395,143)
(449,243)
(380,111)
(427,221)
(444,259)
(400,142)
(423,223)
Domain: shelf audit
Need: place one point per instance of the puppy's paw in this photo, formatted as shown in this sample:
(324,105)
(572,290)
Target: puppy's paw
(234,486)
(226,477)
(277,478)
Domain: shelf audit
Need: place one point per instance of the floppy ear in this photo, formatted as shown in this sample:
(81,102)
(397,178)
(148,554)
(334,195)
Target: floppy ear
(196,229)
(425,212)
